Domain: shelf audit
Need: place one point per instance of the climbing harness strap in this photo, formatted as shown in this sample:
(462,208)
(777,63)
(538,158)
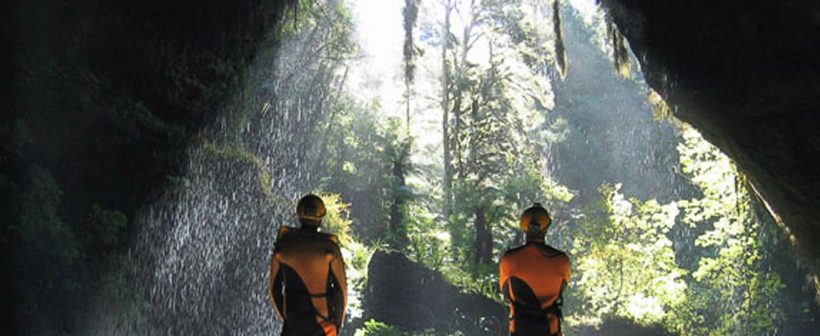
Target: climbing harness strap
(529,317)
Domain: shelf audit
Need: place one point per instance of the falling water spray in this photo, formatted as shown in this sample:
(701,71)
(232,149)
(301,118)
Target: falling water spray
(201,255)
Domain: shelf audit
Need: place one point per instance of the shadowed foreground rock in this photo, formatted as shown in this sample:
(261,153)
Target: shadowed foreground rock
(411,297)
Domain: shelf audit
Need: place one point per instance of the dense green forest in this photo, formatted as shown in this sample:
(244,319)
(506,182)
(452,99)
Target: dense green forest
(431,147)
(663,230)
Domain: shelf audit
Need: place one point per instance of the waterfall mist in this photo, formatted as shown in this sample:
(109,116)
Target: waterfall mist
(202,250)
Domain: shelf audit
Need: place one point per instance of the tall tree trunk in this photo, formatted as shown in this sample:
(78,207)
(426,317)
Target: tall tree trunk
(410,13)
(407,93)
(560,50)
(396,216)
(445,108)
(483,238)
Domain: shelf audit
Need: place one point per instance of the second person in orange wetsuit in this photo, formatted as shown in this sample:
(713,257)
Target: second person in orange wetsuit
(533,278)
(307,276)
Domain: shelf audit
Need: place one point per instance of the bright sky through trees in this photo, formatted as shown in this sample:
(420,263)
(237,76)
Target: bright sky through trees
(380,37)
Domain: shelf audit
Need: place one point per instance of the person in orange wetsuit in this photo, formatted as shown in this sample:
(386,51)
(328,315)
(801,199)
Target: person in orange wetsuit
(308,287)
(533,278)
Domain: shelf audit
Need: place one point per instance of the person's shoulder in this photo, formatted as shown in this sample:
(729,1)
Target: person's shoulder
(287,232)
(326,241)
(283,236)
(552,252)
(284,231)
(514,250)
(330,237)
(329,243)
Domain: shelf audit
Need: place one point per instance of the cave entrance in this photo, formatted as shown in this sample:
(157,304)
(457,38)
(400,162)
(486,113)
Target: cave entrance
(485,108)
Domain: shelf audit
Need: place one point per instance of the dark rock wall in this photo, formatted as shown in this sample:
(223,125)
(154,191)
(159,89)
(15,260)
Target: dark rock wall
(100,101)
(747,76)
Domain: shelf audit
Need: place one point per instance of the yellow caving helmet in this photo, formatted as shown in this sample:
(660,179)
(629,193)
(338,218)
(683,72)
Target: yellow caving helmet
(535,220)
(311,208)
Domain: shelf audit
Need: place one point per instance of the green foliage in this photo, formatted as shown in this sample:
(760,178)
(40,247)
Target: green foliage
(236,151)
(377,328)
(354,170)
(624,261)
(41,227)
(740,294)
(496,97)
(474,278)
(627,266)
(356,254)
(317,15)
(107,225)
(367,158)
(410,51)
(337,219)
(397,152)
(181,184)
(428,245)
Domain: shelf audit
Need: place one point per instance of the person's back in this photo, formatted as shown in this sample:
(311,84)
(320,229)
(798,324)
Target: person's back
(533,278)
(307,282)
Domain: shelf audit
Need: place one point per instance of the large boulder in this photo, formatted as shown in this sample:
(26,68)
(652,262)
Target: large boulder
(412,297)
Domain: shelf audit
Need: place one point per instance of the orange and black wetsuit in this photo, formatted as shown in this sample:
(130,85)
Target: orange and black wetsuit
(307,283)
(533,277)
